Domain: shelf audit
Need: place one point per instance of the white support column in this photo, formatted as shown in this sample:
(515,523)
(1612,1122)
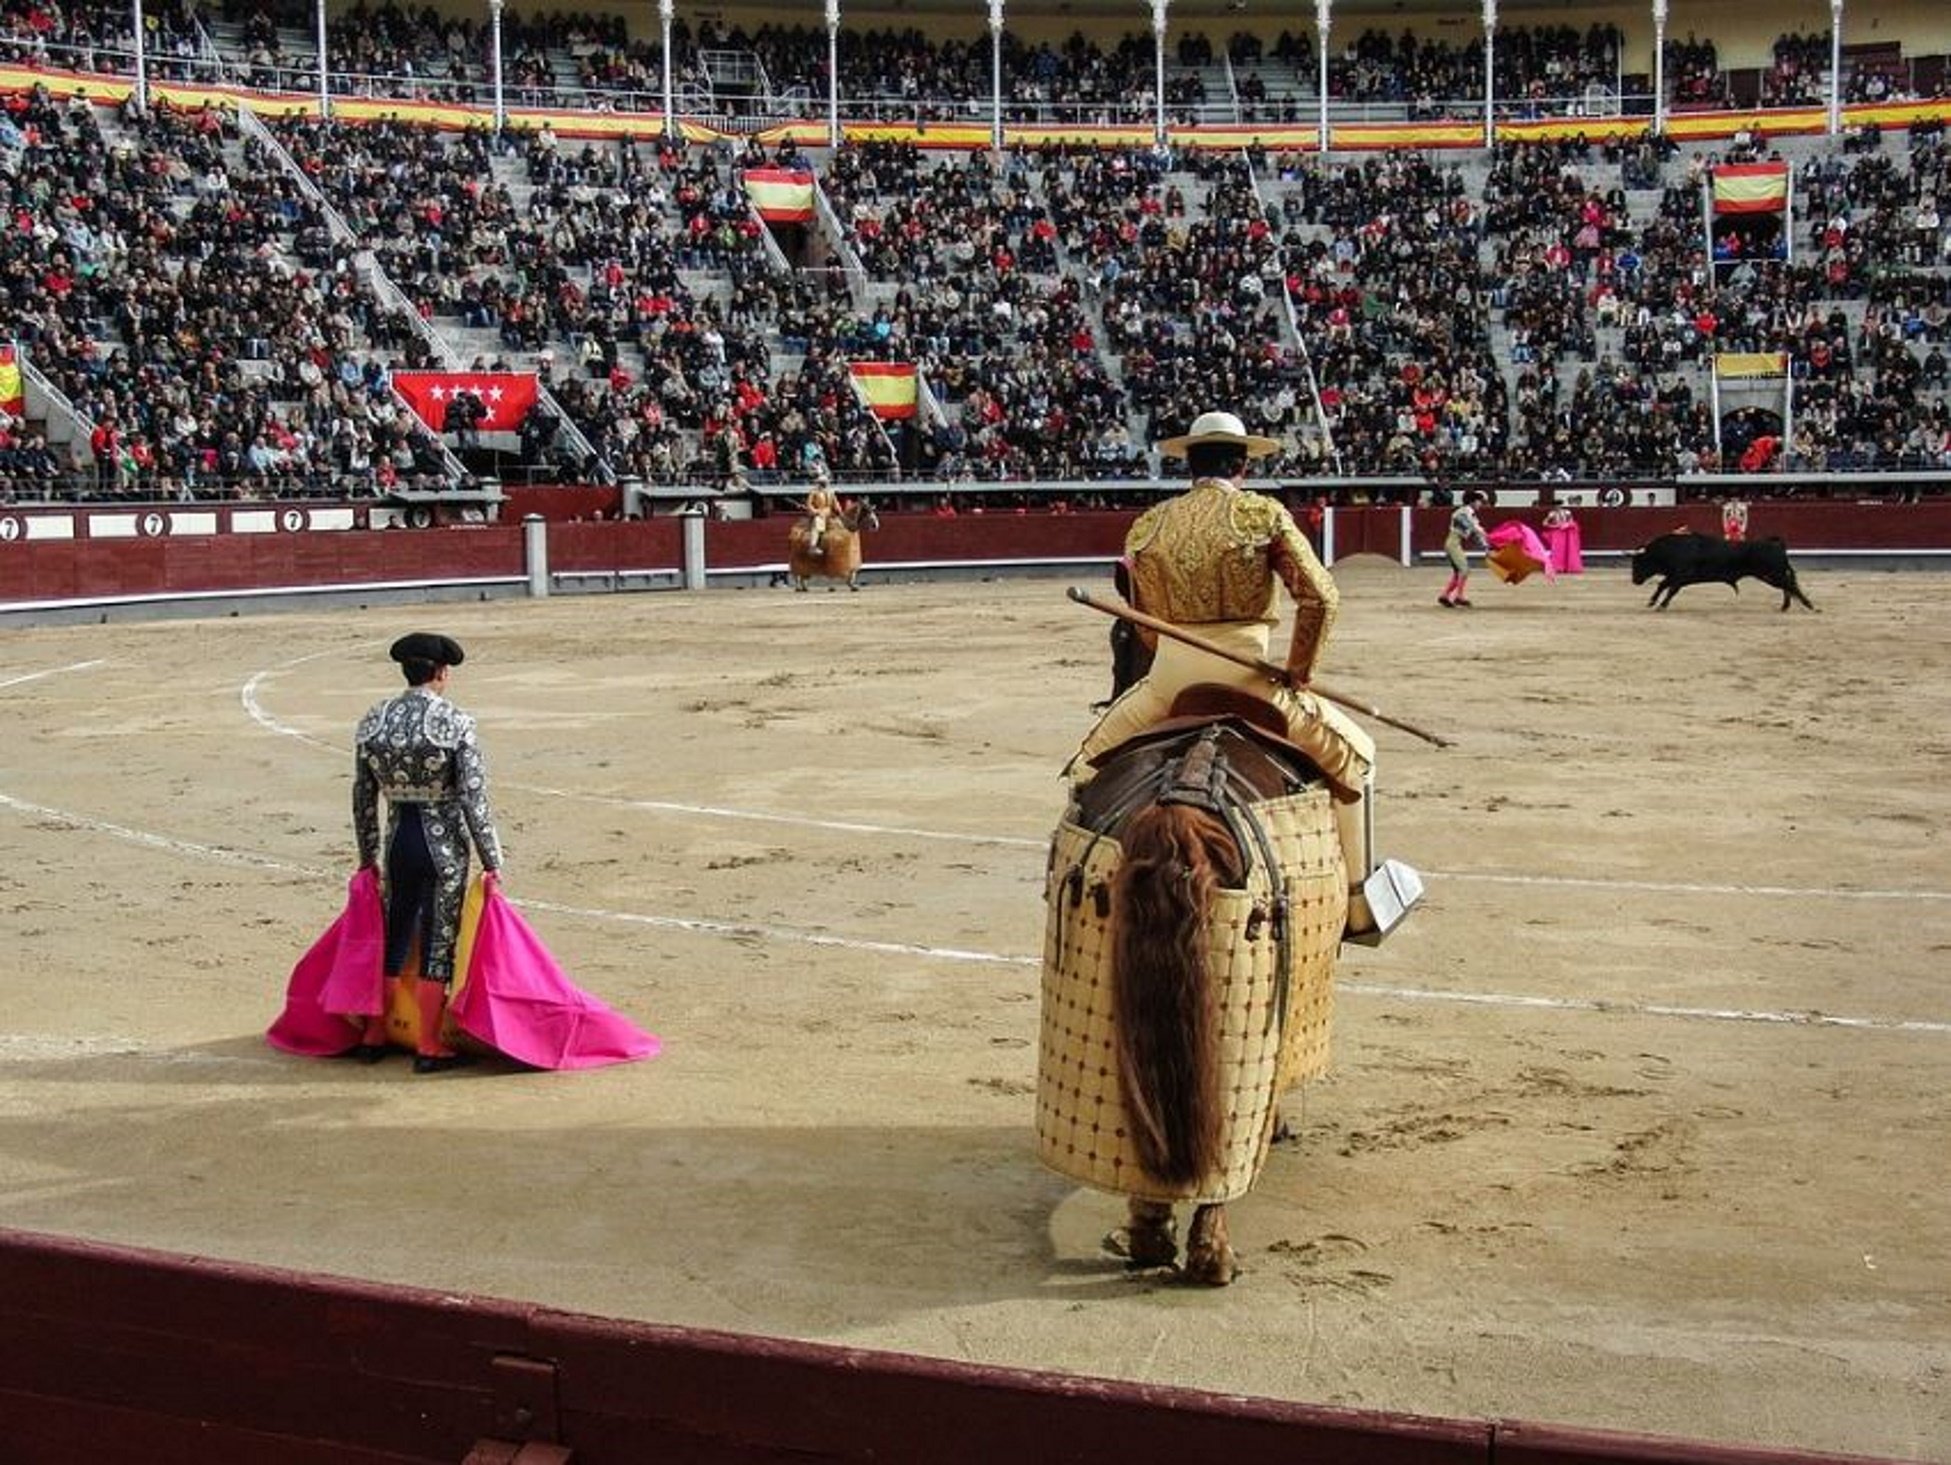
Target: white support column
(1659,65)
(693,535)
(501,108)
(141,62)
(996,75)
(1158,71)
(1490,73)
(1323,19)
(1835,67)
(1407,532)
(833,73)
(324,66)
(535,555)
(666,12)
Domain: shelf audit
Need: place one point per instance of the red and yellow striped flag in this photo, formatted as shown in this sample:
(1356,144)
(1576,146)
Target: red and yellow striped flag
(889,388)
(1750,188)
(13,395)
(781,195)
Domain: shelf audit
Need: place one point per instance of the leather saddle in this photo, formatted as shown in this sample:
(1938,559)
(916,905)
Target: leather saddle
(1215,763)
(1251,759)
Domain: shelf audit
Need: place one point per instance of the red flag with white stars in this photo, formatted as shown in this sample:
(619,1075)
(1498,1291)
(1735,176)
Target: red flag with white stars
(507,395)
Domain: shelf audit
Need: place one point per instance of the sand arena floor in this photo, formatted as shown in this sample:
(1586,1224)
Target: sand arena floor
(1640,1124)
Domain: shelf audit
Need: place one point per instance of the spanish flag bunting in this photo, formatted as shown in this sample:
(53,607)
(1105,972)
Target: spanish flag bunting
(889,388)
(13,397)
(1750,188)
(781,195)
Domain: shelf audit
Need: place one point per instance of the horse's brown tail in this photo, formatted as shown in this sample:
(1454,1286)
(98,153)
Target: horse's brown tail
(1168,1071)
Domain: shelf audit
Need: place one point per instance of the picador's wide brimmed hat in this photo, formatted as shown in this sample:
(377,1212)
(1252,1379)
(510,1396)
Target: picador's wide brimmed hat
(428,646)
(1219,427)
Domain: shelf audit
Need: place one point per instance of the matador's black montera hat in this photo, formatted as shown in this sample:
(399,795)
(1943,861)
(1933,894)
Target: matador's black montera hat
(427,646)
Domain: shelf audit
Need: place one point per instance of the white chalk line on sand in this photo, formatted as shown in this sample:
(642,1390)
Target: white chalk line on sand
(747,931)
(52,671)
(255,708)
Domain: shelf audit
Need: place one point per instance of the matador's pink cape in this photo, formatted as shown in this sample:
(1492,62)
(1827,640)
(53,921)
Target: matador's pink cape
(513,997)
(519,1001)
(1516,552)
(337,983)
(1566,546)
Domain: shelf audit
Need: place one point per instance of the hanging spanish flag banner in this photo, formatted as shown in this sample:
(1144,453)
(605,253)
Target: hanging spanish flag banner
(889,388)
(1734,365)
(1750,188)
(781,195)
(13,395)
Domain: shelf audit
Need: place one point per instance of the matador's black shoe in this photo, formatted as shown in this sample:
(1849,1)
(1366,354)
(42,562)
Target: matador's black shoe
(431,1063)
(367,1052)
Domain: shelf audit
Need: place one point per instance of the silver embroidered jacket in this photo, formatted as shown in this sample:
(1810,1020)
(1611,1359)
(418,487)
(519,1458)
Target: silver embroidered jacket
(419,748)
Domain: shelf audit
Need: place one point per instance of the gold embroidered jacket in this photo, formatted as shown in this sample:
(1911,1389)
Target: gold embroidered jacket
(1216,554)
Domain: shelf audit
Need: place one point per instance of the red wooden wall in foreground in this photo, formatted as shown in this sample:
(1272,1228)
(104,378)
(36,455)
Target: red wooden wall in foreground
(111,1356)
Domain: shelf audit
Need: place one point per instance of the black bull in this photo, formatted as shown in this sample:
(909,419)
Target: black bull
(1683,559)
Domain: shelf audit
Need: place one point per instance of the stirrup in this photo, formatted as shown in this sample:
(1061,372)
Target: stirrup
(1391,891)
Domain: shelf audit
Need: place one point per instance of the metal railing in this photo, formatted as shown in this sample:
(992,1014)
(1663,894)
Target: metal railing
(47,402)
(804,98)
(1294,331)
(843,246)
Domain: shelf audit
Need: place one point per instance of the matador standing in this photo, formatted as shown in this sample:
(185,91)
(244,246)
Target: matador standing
(418,750)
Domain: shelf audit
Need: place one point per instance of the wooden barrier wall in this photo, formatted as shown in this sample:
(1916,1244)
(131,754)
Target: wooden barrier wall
(46,572)
(121,1357)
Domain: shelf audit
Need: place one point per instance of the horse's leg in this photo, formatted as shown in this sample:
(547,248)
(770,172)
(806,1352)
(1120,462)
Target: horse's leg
(1209,1255)
(1148,1238)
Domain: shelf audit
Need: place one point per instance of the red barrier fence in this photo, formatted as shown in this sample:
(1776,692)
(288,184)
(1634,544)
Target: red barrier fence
(74,565)
(125,1357)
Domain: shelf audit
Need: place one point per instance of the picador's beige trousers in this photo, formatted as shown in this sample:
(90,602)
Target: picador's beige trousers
(1338,746)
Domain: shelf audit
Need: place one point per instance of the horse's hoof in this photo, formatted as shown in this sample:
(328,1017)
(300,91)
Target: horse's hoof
(1143,1246)
(1209,1253)
(1211,1266)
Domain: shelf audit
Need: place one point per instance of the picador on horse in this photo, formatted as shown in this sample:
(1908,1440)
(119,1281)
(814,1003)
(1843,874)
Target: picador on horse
(824,543)
(1215,853)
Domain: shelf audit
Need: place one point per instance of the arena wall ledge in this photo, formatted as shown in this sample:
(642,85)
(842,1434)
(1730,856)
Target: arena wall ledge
(228,1364)
(65,564)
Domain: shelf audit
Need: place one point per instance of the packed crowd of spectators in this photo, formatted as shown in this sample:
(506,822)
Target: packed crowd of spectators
(150,277)
(101,38)
(213,326)
(1536,70)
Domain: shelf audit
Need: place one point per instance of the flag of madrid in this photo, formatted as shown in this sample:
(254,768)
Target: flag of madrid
(506,394)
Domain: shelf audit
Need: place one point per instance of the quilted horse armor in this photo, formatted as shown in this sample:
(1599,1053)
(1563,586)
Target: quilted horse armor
(1273,942)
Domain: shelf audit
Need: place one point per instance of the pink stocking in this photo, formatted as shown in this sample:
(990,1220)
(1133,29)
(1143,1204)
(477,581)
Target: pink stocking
(375,1034)
(432,998)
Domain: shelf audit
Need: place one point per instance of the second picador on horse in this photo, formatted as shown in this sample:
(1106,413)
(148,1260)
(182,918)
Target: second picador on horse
(824,542)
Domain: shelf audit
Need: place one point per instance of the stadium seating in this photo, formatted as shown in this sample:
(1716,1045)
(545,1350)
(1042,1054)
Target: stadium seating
(214,305)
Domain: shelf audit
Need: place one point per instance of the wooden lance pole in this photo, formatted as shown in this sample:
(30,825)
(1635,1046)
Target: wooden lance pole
(1272,671)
